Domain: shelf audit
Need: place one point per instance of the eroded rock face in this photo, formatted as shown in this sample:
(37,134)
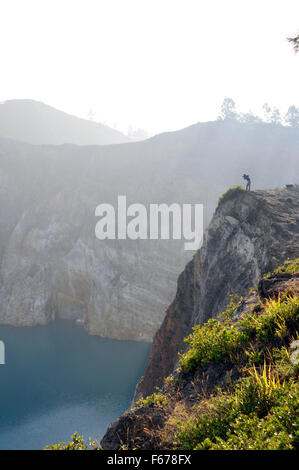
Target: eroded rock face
(58,272)
(250,234)
(51,264)
(134,428)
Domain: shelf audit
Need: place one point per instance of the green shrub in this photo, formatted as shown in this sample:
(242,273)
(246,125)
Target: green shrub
(213,341)
(273,320)
(159,399)
(77,443)
(230,192)
(289,266)
(217,340)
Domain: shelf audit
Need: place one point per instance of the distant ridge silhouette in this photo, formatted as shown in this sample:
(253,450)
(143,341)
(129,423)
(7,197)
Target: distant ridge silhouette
(37,123)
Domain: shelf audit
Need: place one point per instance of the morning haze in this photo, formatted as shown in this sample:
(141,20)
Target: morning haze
(124,107)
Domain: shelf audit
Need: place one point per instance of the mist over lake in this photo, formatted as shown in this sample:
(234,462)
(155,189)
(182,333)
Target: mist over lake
(58,379)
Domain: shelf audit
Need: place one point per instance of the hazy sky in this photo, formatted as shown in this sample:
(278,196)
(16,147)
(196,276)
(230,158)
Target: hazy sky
(158,64)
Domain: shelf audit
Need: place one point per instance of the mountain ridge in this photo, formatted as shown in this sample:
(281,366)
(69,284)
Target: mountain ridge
(38,123)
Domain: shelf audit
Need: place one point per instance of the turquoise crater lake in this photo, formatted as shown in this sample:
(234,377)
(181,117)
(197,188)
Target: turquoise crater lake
(58,379)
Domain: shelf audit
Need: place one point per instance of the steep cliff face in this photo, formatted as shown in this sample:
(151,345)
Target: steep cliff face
(250,234)
(51,264)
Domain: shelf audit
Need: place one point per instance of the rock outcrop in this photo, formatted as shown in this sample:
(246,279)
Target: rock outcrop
(250,234)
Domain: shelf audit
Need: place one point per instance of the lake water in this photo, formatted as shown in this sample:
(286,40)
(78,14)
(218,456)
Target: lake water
(57,379)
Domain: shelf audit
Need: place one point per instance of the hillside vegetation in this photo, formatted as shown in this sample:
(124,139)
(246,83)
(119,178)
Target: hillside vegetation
(255,404)
(236,386)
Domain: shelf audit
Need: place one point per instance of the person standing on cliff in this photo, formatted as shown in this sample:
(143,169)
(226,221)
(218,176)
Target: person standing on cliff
(246,177)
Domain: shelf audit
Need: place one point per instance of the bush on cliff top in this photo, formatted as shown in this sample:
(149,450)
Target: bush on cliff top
(230,192)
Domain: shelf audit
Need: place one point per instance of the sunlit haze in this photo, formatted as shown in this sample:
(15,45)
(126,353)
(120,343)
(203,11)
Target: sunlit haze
(159,65)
